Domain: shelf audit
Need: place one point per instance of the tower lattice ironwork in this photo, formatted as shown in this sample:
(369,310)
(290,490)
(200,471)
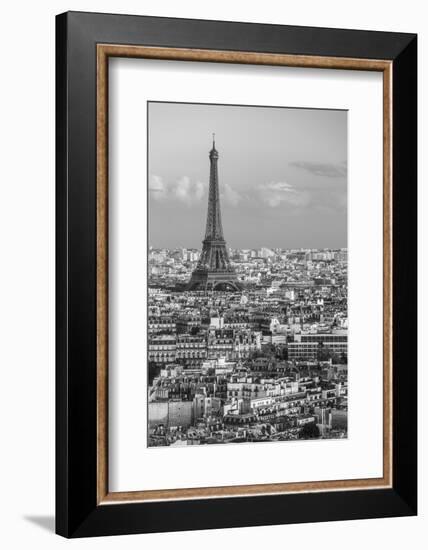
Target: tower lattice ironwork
(214,271)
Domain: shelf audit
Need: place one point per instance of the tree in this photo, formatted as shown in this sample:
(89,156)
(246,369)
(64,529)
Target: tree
(323,353)
(309,431)
(282,352)
(341,359)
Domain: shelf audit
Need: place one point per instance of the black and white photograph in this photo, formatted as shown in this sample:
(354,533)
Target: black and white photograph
(247,333)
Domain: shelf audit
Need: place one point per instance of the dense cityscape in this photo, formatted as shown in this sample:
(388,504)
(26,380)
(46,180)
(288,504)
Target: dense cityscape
(266,363)
(245,345)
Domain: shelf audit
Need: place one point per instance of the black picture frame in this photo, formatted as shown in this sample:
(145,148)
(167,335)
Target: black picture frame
(77,511)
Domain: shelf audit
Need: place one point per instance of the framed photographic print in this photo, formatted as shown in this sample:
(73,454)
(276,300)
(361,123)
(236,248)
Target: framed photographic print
(236,274)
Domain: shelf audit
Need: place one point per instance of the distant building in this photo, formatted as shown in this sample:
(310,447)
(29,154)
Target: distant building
(186,324)
(162,348)
(161,324)
(190,350)
(217,322)
(266,253)
(233,344)
(308,345)
(171,413)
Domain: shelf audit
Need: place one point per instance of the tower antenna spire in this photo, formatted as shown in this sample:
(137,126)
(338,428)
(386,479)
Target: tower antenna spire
(213,140)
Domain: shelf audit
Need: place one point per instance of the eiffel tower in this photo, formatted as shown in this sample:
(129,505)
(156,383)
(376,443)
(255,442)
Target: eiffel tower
(214,271)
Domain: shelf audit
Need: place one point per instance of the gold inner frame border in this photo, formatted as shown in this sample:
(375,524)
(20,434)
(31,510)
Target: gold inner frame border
(104,52)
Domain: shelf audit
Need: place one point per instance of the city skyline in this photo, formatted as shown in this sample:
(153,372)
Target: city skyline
(303,208)
(246,345)
(253,248)
(261,360)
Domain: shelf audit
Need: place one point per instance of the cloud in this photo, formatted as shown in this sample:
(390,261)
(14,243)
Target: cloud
(187,191)
(157,187)
(230,195)
(275,193)
(184,189)
(329,170)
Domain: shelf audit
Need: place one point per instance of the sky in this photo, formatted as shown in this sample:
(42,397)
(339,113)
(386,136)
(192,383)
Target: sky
(282,175)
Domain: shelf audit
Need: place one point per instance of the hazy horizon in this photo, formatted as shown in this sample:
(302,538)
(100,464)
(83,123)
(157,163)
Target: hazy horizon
(282,175)
(252,248)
